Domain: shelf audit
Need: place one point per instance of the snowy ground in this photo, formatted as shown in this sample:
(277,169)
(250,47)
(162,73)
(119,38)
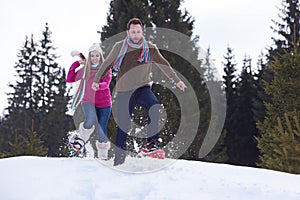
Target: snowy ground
(40,178)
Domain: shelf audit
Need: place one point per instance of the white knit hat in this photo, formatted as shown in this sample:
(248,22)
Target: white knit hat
(95,47)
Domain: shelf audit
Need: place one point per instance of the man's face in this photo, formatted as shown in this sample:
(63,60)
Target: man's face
(135,32)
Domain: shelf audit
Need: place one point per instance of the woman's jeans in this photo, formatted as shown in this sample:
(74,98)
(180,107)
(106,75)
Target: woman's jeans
(92,113)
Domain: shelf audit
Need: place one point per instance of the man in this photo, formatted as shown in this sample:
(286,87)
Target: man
(132,58)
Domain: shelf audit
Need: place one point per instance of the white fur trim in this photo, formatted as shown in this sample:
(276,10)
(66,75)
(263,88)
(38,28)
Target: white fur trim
(85,133)
(102,149)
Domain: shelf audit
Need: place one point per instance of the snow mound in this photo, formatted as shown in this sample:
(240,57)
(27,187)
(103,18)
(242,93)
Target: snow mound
(140,178)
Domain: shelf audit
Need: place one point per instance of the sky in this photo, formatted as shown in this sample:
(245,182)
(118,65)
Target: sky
(243,25)
(140,179)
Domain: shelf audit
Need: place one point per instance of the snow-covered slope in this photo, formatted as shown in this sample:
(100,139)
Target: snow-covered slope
(39,178)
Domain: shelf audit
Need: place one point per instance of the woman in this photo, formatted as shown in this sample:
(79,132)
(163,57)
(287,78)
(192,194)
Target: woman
(95,104)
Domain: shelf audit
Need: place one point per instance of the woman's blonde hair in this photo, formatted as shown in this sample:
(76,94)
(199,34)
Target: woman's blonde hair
(87,66)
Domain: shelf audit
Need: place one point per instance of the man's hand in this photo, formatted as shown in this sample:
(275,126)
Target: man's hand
(181,85)
(95,86)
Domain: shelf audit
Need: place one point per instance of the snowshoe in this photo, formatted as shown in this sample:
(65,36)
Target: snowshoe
(158,153)
(77,145)
(152,150)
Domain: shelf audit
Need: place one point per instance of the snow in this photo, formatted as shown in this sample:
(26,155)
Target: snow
(43,178)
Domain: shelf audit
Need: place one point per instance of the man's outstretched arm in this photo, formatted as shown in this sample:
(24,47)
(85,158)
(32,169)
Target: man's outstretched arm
(105,66)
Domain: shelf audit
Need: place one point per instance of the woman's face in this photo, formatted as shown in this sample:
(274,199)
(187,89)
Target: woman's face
(95,57)
(135,32)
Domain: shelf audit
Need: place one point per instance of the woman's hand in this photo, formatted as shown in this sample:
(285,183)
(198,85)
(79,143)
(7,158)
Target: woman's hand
(82,61)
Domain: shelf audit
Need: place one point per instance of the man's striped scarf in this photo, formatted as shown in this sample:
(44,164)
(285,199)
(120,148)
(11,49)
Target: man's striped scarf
(144,57)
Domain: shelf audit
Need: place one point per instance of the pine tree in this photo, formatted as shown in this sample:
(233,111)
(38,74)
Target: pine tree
(22,106)
(30,144)
(246,126)
(212,117)
(287,29)
(230,84)
(242,149)
(39,94)
(17,146)
(259,110)
(282,57)
(230,78)
(285,95)
(47,73)
(210,69)
(51,96)
(285,146)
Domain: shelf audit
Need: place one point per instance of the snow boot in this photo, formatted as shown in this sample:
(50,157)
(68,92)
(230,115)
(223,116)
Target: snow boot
(102,148)
(120,155)
(84,133)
